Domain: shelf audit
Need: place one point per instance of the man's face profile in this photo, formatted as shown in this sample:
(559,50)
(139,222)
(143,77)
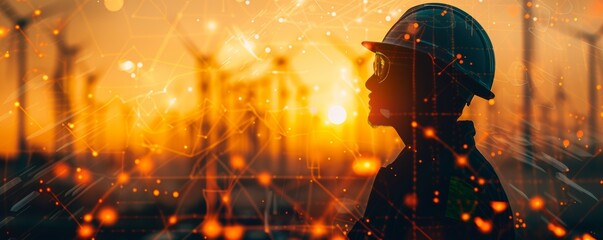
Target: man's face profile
(391,87)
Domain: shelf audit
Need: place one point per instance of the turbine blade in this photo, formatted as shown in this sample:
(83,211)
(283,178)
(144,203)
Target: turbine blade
(8,11)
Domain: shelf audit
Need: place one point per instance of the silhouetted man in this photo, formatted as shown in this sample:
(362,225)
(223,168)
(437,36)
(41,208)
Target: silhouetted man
(429,66)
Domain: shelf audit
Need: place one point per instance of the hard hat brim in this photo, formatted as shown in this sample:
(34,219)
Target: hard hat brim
(472,83)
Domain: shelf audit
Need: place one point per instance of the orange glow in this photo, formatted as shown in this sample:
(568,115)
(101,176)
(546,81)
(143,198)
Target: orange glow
(429,132)
(536,203)
(61,170)
(37,12)
(211,228)
(498,206)
(88,217)
(237,162)
(484,226)
(123,178)
(318,229)
(414,124)
(579,133)
(156,193)
(557,230)
(481,181)
(264,179)
(461,160)
(175,194)
(172,220)
(410,200)
(366,166)
(234,232)
(566,143)
(465,217)
(587,236)
(82,175)
(225,199)
(85,231)
(145,165)
(107,215)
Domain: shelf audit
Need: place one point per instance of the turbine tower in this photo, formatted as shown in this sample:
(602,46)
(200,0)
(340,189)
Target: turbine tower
(21,23)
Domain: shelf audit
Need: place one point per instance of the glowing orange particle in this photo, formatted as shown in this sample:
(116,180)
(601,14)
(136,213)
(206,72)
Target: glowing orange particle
(579,133)
(172,220)
(484,226)
(406,36)
(461,160)
(414,124)
(481,181)
(155,192)
(237,162)
(536,203)
(587,236)
(123,178)
(366,166)
(465,217)
(211,228)
(557,230)
(234,232)
(61,170)
(498,206)
(566,143)
(318,229)
(459,56)
(429,132)
(107,215)
(85,231)
(88,217)
(410,200)
(145,165)
(175,194)
(264,179)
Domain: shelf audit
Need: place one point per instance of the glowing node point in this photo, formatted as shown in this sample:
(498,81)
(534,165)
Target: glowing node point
(465,217)
(211,228)
(566,143)
(85,231)
(498,206)
(264,179)
(461,160)
(172,220)
(429,132)
(536,203)
(107,215)
(234,232)
(484,226)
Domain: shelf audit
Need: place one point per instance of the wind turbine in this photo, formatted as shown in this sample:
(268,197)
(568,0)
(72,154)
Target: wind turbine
(207,74)
(528,87)
(591,39)
(21,23)
(63,78)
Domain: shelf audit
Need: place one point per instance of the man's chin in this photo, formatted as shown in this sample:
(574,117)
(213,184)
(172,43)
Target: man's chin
(376,119)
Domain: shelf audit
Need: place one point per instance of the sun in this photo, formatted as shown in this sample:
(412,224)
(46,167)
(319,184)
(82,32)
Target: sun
(337,114)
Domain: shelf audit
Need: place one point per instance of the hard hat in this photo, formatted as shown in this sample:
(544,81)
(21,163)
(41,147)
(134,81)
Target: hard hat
(456,40)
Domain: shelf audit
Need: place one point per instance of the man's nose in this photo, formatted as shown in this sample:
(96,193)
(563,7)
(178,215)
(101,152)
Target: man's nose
(372,82)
